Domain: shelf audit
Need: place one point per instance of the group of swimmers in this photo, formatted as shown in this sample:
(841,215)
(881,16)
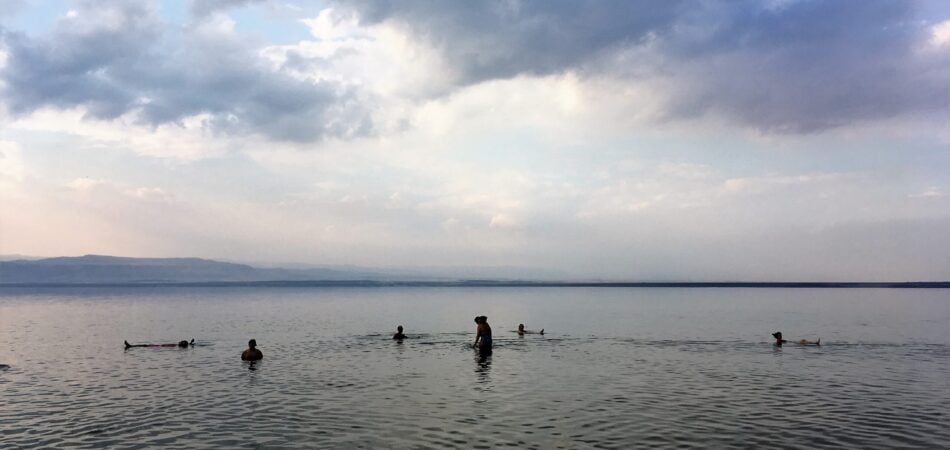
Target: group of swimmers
(483,340)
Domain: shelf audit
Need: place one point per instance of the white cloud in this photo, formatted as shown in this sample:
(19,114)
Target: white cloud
(503,221)
(931,192)
(940,34)
(153,194)
(762,183)
(87,184)
(383,59)
(12,167)
(189,140)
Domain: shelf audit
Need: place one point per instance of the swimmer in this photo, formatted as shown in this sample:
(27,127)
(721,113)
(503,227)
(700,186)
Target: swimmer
(399,336)
(779,341)
(180,344)
(521,331)
(252,353)
(482,334)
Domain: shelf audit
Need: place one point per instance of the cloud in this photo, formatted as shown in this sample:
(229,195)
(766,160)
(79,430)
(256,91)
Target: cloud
(202,8)
(776,67)
(117,58)
(779,67)
(12,168)
(86,184)
(932,192)
(491,40)
(940,36)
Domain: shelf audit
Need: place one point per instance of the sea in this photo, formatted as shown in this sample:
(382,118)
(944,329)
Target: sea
(615,368)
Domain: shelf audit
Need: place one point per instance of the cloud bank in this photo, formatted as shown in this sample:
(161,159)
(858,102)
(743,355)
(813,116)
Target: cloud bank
(778,67)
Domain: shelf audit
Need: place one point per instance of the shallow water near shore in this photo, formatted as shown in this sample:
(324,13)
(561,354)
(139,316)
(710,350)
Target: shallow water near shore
(616,368)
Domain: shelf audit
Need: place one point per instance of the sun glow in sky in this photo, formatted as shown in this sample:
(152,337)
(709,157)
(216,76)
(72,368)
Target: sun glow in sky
(637,140)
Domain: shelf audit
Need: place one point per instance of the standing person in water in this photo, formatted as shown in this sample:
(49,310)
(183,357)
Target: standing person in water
(482,334)
(399,336)
(252,353)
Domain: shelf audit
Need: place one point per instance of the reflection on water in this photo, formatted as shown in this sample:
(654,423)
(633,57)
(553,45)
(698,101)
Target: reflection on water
(70,384)
(482,365)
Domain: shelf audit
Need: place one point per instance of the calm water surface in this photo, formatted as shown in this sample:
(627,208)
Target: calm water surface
(617,368)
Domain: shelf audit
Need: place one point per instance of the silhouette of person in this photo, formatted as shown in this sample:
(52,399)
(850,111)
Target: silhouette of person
(522,331)
(180,344)
(252,353)
(779,341)
(399,336)
(483,341)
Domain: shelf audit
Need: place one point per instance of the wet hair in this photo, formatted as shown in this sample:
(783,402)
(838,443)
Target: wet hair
(399,328)
(252,343)
(777,335)
(520,326)
(182,344)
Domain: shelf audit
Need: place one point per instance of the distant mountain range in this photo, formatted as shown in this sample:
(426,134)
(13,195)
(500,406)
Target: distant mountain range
(101,269)
(98,269)
(113,270)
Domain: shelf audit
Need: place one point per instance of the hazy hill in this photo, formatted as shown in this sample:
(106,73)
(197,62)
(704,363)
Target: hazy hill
(112,269)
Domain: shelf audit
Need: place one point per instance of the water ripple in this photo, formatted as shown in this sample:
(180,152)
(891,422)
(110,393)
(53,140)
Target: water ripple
(433,391)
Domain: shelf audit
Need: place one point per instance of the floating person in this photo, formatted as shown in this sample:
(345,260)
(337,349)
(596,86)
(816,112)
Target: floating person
(779,341)
(521,331)
(252,353)
(399,336)
(180,344)
(482,334)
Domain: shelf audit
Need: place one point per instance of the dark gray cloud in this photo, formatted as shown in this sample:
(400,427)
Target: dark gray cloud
(117,57)
(782,66)
(807,65)
(500,39)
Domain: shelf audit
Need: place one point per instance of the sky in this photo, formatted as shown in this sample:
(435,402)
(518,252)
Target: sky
(588,139)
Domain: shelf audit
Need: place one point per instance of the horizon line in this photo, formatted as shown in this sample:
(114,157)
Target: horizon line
(514,283)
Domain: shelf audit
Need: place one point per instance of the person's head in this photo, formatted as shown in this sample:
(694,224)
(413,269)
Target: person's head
(520,327)
(777,335)
(252,343)
(478,319)
(399,328)
(182,344)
